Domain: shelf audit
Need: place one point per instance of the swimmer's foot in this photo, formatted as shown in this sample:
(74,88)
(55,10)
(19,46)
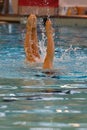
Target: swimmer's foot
(31,22)
(49,29)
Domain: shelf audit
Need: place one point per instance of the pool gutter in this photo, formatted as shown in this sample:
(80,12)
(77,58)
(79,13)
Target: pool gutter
(76,20)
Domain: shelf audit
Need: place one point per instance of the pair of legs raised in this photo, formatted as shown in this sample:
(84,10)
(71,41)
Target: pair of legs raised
(31,43)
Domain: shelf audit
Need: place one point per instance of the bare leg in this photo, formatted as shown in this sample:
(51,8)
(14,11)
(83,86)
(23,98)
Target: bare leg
(31,40)
(35,46)
(48,62)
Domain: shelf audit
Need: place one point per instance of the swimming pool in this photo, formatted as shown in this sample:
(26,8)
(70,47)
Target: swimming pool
(33,100)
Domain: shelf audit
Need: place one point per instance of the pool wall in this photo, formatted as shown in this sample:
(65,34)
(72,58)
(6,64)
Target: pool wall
(58,20)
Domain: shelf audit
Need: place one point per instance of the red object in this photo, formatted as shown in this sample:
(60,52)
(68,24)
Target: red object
(40,3)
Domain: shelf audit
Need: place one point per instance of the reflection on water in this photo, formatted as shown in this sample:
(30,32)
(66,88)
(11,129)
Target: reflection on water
(33,100)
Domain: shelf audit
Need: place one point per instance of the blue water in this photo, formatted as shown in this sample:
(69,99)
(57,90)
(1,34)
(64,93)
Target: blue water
(33,100)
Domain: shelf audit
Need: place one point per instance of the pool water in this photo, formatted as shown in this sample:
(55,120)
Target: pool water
(33,100)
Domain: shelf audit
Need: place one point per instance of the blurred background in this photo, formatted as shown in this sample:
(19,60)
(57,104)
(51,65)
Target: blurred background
(43,7)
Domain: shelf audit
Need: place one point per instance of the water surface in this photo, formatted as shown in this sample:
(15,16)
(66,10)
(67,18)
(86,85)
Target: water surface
(33,100)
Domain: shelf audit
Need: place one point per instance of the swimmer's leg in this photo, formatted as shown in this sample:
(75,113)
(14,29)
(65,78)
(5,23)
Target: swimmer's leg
(48,62)
(31,40)
(28,48)
(28,41)
(35,45)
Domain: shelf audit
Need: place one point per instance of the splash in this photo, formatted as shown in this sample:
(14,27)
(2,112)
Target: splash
(48,10)
(69,51)
(42,42)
